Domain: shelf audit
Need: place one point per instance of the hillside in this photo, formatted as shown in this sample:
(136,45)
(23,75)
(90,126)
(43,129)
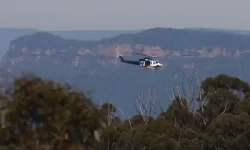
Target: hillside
(180,39)
(90,34)
(157,36)
(242,32)
(91,65)
(163,41)
(44,40)
(165,38)
(9,34)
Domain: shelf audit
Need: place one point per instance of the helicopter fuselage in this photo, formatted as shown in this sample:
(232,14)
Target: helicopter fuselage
(150,63)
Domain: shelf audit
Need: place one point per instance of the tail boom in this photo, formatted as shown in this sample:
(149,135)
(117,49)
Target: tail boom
(129,61)
(121,58)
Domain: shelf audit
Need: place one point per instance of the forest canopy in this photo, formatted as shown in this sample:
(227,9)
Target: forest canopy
(41,114)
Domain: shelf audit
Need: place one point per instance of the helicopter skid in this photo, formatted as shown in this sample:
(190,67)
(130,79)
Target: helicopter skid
(151,68)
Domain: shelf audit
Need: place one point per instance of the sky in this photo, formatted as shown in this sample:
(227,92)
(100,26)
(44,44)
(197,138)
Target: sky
(124,14)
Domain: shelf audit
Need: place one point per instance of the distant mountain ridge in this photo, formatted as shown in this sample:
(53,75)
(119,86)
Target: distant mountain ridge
(180,39)
(165,38)
(90,34)
(8,34)
(244,32)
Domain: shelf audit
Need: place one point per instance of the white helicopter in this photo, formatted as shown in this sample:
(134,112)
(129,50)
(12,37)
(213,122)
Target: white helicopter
(146,63)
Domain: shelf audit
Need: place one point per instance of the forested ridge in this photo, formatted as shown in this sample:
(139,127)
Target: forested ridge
(40,114)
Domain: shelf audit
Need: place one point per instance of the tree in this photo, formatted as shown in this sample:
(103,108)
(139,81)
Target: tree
(45,113)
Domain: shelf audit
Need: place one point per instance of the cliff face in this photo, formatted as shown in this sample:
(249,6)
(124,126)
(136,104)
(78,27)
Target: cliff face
(158,41)
(45,48)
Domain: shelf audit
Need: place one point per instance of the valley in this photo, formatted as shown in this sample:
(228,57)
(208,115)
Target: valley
(92,65)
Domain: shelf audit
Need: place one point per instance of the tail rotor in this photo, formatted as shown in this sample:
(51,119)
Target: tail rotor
(117,56)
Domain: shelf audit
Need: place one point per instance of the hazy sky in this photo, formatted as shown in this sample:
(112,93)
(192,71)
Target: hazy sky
(124,14)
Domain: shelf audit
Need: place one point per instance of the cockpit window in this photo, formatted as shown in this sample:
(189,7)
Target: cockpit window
(156,62)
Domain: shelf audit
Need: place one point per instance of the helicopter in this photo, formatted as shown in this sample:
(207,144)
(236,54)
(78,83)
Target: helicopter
(146,63)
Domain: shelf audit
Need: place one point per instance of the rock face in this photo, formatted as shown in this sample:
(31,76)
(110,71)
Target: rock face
(43,47)
(93,63)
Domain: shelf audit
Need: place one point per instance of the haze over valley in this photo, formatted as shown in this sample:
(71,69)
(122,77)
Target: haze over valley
(91,63)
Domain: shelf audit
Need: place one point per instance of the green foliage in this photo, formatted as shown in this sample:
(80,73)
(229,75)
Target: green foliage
(243,106)
(40,114)
(43,112)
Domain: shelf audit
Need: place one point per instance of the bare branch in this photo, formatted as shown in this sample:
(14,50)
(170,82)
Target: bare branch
(125,117)
(145,105)
(195,114)
(226,108)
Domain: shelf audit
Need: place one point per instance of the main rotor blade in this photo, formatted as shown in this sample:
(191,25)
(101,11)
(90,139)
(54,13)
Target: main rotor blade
(142,54)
